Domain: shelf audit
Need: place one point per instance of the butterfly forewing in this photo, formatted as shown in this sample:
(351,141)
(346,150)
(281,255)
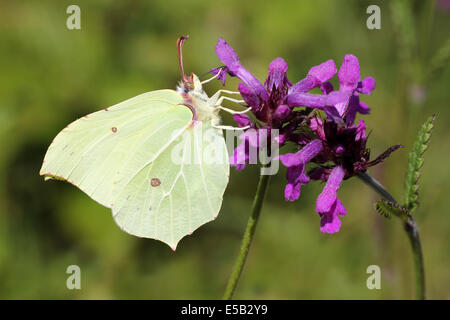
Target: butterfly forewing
(90,151)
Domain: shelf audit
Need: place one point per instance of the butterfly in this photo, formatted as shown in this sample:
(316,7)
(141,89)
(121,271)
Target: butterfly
(159,160)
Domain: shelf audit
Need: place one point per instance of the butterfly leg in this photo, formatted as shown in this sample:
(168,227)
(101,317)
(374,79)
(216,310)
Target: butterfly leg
(233,111)
(227,91)
(215,123)
(222,98)
(212,78)
(215,98)
(230,127)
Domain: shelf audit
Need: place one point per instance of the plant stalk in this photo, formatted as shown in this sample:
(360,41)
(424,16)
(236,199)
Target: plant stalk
(248,236)
(412,231)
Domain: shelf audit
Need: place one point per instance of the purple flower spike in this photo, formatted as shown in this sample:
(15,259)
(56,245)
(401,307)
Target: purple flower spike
(328,205)
(327,137)
(296,163)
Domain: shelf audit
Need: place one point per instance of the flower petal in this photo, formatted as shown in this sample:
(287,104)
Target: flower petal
(242,120)
(349,75)
(340,210)
(367,85)
(230,58)
(355,106)
(328,197)
(227,55)
(360,131)
(324,71)
(282,112)
(330,223)
(292,191)
(290,159)
(277,74)
(316,76)
(316,100)
(249,96)
(303,156)
(240,157)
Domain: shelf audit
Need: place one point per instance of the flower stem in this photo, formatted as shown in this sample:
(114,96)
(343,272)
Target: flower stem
(412,231)
(248,236)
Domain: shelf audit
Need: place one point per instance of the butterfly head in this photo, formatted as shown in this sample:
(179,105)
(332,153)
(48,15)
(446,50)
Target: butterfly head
(190,84)
(192,91)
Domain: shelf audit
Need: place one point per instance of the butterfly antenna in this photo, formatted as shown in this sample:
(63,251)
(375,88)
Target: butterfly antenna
(180,42)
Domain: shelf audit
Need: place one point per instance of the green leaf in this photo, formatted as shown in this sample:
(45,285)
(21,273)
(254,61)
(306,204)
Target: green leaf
(388,208)
(415,163)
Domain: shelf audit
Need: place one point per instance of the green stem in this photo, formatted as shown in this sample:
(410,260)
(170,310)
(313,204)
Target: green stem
(248,236)
(412,231)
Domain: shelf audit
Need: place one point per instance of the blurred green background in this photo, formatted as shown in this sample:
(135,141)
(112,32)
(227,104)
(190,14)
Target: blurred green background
(50,76)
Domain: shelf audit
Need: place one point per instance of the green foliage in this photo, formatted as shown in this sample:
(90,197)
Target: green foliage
(389,208)
(440,59)
(403,20)
(51,76)
(415,163)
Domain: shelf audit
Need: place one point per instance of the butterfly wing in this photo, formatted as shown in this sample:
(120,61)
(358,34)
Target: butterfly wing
(162,176)
(179,191)
(90,151)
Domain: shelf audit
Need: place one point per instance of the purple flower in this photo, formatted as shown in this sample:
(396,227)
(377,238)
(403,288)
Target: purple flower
(277,78)
(326,137)
(317,77)
(350,84)
(251,89)
(264,99)
(242,120)
(296,163)
(328,206)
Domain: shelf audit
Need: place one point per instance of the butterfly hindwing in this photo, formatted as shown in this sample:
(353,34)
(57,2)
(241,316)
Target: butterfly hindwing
(167,202)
